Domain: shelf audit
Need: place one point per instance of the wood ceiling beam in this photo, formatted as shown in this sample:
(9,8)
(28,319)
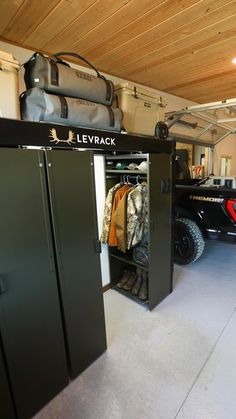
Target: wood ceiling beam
(161,13)
(8,11)
(187,85)
(207,61)
(84,23)
(59,18)
(190,46)
(98,41)
(164,33)
(221,87)
(183,47)
(174,43)
(27,18)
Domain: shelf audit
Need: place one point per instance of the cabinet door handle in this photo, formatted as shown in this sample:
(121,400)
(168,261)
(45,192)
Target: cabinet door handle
(3,286)
(165,185)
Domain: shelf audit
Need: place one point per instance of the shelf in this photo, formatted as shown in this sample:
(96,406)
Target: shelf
(130,296)
(127,156)
(159,265)
(130,172)
(127,259)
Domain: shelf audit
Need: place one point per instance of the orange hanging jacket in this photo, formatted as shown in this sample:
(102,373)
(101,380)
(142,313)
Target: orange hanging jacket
(112,240)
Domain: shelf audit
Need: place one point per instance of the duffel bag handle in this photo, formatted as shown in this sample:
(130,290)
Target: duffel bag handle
(74,54)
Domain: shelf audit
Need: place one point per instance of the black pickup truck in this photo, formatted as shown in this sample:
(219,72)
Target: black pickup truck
(201,212)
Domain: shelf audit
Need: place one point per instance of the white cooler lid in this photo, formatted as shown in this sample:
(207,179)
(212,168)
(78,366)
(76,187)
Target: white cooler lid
(129,88)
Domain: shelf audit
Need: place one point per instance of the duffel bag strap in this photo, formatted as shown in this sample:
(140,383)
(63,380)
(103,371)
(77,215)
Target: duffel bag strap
(75,55)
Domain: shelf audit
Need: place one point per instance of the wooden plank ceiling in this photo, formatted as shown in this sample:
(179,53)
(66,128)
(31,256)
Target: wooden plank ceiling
(183,47)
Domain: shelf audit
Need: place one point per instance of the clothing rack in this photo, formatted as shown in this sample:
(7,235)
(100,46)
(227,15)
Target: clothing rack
(128,176)
(130,156)
(160,268)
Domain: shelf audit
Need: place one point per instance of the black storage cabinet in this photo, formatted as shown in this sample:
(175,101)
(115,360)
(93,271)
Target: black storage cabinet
(6,402)
(74,218)
(51,304)
(30,317)
(159,180)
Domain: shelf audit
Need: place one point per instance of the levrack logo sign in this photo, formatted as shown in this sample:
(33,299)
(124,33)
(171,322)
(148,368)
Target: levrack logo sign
(95,140)
(81,139)
(70,140)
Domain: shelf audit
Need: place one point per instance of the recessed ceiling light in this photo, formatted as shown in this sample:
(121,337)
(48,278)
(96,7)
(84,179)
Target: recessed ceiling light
(234,60)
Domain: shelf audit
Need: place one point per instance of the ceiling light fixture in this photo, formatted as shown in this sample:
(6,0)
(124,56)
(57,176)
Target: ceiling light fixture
(234,60)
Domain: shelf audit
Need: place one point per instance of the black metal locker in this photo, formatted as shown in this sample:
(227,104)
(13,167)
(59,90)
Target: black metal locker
(160,215)
(72,193)
(30,318)
(159,269)
(6,403)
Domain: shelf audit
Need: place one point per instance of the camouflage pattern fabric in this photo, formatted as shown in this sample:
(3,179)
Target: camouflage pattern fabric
(137,214)
(107,213)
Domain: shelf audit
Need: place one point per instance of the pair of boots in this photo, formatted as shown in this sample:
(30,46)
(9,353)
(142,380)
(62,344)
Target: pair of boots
(127,280)
(136,282)
(140,287)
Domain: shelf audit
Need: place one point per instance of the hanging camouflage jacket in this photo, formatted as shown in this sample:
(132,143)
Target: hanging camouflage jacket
(107,213)
(137,215)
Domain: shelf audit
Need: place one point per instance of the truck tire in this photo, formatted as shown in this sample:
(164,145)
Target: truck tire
(188,241)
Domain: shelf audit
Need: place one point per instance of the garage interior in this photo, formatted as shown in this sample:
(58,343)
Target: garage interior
(174,362)
(177,361)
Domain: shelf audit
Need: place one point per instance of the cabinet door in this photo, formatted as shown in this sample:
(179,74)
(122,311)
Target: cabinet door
(160,241)
(72,190)
(6,405)
(30,318)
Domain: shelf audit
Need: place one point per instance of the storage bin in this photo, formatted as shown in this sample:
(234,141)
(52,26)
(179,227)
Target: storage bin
(9,86)
(141,108)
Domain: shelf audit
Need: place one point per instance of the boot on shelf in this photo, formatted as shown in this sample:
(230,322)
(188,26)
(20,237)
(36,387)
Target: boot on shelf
(143,293)
(136,288)
(123,279)
(130,283)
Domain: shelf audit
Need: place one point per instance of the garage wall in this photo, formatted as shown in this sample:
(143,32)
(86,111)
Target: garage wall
(227,147)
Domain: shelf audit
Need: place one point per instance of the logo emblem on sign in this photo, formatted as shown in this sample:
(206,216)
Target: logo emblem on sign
(53,134)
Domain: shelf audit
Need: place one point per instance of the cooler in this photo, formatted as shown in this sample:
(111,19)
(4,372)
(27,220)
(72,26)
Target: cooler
(141,108)
(9,86)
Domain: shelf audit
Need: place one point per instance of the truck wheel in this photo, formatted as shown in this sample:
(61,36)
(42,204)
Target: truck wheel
(188,241)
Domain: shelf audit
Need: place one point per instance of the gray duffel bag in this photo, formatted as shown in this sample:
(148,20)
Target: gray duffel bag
(37,105)
(55,76)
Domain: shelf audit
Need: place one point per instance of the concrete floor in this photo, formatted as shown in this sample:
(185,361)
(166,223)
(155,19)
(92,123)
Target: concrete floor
(178,361)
